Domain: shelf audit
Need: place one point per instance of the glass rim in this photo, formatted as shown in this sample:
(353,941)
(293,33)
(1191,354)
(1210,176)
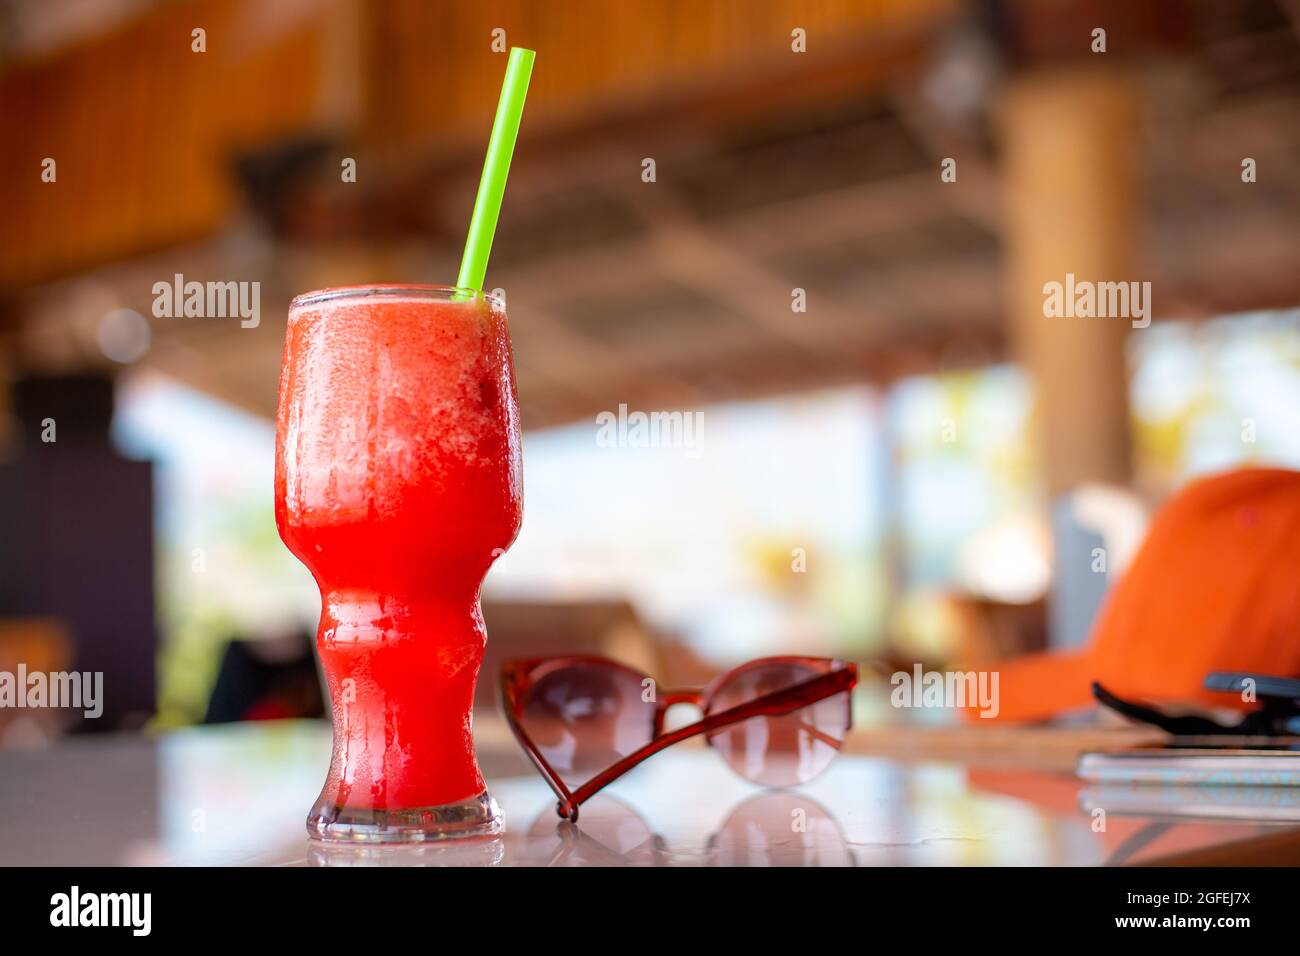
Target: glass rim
(435,293)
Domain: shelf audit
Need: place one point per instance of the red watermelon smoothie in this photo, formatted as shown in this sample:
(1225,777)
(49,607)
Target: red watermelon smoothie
(398,482)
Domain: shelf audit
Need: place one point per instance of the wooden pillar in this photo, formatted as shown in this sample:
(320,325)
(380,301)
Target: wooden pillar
(1070,155)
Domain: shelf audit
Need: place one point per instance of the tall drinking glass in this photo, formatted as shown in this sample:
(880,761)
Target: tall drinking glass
(397,483)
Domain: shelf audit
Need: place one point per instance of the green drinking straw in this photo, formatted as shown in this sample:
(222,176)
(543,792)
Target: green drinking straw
(501,146)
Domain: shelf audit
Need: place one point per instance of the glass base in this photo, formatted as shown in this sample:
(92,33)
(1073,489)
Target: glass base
(476,816)
(473,851)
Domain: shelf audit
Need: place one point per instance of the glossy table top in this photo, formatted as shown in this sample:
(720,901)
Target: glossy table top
(238,795)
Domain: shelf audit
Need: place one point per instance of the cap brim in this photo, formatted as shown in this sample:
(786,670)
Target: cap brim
(1039,686)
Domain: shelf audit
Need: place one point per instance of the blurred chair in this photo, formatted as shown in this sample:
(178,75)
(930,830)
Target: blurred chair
(990,630)
(267,679)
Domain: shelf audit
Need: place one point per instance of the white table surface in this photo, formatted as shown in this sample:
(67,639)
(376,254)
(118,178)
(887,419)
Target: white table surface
(238,795)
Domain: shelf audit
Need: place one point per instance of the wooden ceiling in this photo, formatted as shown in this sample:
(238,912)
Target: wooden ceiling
(775,170)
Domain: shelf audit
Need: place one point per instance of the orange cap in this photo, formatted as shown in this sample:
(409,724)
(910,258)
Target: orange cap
(1214,587)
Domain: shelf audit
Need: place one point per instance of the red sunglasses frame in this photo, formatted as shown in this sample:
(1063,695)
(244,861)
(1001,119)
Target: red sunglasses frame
(518,675)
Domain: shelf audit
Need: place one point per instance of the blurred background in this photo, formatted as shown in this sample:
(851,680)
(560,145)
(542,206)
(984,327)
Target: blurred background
(823,227)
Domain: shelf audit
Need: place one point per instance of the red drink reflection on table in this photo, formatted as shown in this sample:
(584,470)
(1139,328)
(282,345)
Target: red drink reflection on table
(397,483)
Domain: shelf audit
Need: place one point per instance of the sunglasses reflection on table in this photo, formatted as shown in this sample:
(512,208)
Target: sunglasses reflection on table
(776,828)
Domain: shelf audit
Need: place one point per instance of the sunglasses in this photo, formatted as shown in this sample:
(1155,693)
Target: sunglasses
(586,721)
(1278,713)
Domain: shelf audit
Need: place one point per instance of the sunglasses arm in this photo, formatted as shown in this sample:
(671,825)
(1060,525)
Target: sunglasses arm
(776,704)
(509,699)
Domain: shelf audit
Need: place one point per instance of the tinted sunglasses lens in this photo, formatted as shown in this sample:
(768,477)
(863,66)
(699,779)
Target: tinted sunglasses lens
(779,751)
(585,717)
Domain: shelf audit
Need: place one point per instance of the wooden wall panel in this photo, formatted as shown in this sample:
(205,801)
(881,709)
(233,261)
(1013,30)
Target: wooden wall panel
(142,129)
